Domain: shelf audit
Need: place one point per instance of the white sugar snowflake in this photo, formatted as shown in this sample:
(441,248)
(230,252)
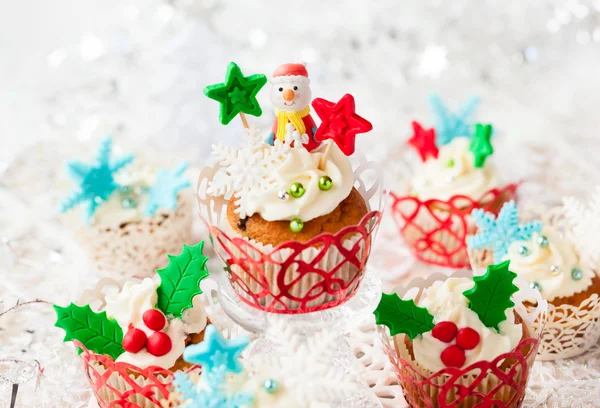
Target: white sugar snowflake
(248,170)
(584,222)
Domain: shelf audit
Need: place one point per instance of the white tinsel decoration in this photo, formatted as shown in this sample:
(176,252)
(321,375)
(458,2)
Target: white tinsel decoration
(584,221)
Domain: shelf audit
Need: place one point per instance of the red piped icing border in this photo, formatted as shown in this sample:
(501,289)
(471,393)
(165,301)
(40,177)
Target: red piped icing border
(436,230)
(123,385)
(295,277)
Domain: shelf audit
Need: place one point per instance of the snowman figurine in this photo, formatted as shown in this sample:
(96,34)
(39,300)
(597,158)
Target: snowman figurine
(291,96)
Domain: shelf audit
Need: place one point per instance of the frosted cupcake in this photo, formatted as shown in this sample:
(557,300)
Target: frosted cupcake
(133,334)
(291,217)
(454,177)
(132,215)
(547,258)
(461,333)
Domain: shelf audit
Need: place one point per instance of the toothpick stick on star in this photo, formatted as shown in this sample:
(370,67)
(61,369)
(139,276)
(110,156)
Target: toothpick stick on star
(480,144)
(237,95)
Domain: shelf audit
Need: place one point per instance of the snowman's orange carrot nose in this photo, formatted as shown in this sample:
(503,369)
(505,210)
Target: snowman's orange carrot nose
(288,95)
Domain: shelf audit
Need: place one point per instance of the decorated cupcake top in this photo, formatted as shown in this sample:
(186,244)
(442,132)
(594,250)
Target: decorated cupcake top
(146,322)
(454,155)
(542,255)
(457,322)
(301,171)
(113,191)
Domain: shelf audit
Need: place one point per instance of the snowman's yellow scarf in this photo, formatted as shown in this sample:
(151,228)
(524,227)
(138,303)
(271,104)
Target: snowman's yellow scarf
(294,117)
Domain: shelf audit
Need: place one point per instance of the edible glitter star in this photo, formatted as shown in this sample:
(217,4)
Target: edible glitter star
(452,125)
(498,233)
(215,351)
(340,122)
(237,94)
(96,181)
(480,144)
(163,193)
(423,140)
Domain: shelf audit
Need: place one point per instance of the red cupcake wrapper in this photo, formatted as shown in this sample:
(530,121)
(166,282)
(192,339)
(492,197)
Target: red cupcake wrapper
(123,385)
(436,230)
(295,277)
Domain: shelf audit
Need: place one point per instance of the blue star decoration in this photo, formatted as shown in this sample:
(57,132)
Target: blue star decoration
(96,181)
(215,351)
(498,233)
(163,194)
(451,125)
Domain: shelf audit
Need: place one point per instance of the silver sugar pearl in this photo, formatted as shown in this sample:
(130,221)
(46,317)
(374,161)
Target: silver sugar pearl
(543,241)
(535,285)
(576,274)
(283,195)
(271,386)
(128,202)
(524,251)
(555,270)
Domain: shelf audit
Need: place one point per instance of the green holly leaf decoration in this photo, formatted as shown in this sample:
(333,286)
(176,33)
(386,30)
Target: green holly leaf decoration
(180,280)
(403,316)
(94,330)
(480,146)
(490,296)
(237,94)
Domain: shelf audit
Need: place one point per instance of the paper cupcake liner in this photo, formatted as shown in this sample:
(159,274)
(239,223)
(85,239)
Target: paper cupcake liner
(571,329)
(295,277)
(138,248)
(436,230)
(500,383)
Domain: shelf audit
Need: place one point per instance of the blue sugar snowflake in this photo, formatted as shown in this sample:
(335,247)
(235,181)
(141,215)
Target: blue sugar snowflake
(163,194)
(498,233)
(216,352)
(96,181)
(452,125)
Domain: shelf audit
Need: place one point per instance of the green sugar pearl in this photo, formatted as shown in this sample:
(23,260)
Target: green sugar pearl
(450,163)
(325,183)
(296,225)
(297,190)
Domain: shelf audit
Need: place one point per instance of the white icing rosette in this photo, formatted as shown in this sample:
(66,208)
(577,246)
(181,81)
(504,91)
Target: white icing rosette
(477,383)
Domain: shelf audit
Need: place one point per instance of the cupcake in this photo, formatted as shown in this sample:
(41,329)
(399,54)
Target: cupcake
(273,380)
(291,216)
(454,177)
(133,334)
(546,256)
(461,341)
(133,216)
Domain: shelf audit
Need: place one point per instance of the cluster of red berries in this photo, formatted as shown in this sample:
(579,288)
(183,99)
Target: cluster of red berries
(466,339)
(159,342)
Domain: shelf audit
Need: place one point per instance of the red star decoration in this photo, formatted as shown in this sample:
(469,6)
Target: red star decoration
(340,122)
(423,140)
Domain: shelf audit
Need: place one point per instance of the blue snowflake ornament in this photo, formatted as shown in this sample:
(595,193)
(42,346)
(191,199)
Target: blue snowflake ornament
(96,181)
(451,125)
(215,351)
(498,233)
(212,393)
(163,194)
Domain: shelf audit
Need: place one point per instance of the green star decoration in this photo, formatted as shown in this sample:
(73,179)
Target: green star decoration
(237,94)
(480,144)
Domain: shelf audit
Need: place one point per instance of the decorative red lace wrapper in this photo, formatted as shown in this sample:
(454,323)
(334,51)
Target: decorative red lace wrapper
(123,385)
(500,383)
(295,277)
(436,230)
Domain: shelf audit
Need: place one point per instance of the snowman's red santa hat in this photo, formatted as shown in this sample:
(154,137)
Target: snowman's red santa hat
(292,72)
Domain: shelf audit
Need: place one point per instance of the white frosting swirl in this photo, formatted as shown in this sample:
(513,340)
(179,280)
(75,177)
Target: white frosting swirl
(537,265)
(453,173)
(446,302)
(302,166)
(127,308)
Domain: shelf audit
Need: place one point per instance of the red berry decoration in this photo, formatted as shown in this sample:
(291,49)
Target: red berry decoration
(159,344)
(154,319)
(453,356)
(444,331)
(467,338)
(134,340)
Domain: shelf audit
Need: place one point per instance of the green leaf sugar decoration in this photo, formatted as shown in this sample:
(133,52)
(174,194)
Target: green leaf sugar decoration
(180,280)
(94,330)
(403,316)
(490,296)
(237,94)
(480,146)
